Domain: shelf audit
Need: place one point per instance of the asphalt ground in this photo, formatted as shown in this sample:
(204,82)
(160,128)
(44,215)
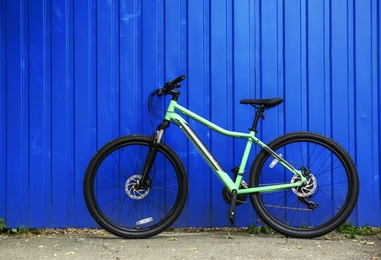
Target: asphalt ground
(184,244)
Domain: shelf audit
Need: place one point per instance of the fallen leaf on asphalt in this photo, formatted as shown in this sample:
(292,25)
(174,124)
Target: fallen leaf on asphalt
(192,249)
(70,253)
(230,236)
(172,239)
(366,242)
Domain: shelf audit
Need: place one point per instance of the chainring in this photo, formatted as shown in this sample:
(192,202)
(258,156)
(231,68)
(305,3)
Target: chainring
(226,194)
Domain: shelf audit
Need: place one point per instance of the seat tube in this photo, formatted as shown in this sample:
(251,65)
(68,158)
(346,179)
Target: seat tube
(244,159)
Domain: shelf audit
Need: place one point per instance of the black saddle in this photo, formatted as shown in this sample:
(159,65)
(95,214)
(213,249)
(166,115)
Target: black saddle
(262,103)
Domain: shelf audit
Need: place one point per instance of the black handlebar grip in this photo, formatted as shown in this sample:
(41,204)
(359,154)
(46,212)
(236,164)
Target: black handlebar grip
(177,80)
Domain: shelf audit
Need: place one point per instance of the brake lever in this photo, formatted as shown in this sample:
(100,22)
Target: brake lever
(159,92)
(168,87)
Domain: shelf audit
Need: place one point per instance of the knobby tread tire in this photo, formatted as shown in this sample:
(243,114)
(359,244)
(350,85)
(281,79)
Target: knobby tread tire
(115,228)
(348,165)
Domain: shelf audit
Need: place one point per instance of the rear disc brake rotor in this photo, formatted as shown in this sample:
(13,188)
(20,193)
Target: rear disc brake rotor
(307,189)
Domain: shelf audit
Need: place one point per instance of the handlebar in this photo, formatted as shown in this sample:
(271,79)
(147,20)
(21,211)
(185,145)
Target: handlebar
(169,86)
(176,80)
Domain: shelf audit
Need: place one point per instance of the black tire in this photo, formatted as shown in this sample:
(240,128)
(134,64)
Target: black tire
(123,211)
(334,190)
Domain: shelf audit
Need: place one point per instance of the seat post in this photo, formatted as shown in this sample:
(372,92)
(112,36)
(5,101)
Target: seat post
(258,114)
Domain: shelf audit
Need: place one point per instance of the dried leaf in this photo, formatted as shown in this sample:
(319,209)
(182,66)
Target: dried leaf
(230,236)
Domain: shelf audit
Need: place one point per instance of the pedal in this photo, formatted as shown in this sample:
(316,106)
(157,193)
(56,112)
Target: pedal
(232,207)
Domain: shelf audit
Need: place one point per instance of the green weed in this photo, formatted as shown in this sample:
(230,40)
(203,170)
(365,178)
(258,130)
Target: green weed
(3,226)
(253,229)
(353,231)
(15,231)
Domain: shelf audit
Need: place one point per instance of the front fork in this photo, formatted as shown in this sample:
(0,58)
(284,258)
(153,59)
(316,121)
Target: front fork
(144,182)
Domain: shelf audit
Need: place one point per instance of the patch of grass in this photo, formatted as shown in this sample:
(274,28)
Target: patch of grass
(353,231)
(18,231)
(348,229)
(253,229)
(3,226)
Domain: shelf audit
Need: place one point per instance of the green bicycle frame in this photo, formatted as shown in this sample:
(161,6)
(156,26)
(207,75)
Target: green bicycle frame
(231,185)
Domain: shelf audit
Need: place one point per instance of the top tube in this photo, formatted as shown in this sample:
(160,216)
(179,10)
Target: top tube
(172,116)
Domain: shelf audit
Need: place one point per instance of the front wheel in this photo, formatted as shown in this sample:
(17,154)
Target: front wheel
(323,203)
(112,196)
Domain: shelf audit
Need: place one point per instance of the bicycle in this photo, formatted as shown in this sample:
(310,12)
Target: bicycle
(301,184)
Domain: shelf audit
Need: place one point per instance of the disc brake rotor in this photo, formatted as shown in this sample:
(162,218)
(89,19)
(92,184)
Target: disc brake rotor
(131,191)
(307,189)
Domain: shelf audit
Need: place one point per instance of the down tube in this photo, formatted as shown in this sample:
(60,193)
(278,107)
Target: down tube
(209,158)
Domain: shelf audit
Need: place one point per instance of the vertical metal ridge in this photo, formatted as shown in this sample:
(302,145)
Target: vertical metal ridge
(375,67)
(48,108)
(281,90)
(24,120)
(350,70)
(3,110)
(303,66)
(258,46)
(115,69)
(328,108)
(70,109)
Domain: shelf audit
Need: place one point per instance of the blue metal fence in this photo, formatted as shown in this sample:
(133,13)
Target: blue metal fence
(75,74)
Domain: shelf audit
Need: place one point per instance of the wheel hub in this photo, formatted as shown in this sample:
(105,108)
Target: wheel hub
(131,191)
(307,189)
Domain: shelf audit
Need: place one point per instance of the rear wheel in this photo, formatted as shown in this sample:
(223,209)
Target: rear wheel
(320,206)
(113,199)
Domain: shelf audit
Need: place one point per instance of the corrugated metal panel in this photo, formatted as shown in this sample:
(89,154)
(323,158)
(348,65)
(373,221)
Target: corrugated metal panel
(75,74)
